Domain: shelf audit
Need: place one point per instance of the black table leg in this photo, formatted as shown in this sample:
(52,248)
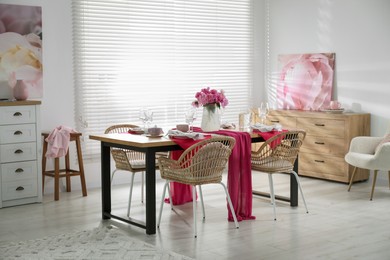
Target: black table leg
(294,187)
(150,192)
(106,181)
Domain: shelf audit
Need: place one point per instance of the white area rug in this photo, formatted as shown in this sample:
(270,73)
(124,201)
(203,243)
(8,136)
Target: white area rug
(99,243)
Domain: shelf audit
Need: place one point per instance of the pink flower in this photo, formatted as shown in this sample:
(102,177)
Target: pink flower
(306,81)
(209,96)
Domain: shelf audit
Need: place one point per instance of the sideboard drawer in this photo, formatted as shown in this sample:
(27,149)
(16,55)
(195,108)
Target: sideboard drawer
(19,171)
(17,133)
(18,152)
(322,127)
(19,189)
(286,121)
(17,115)
(323,145)
(321,165)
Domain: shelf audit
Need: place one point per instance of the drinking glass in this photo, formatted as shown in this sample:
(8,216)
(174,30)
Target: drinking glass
(190,117)
(146,117)
(263,111)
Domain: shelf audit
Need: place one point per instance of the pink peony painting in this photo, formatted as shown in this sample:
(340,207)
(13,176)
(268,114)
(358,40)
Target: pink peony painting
(306,81)
(21,47)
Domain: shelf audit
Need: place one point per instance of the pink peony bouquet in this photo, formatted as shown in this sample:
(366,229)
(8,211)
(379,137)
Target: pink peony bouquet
(210,98)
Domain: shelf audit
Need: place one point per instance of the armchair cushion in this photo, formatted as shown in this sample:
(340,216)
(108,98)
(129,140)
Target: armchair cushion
(385,139)
(364,144)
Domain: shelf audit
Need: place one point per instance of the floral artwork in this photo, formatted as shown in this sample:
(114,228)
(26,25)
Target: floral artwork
(21,47)
(306,81)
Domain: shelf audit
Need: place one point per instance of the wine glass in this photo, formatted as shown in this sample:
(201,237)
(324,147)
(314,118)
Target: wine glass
(263,111)
(146,117)
(190,117)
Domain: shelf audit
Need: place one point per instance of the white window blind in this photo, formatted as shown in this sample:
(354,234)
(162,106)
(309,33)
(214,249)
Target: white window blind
(157,54)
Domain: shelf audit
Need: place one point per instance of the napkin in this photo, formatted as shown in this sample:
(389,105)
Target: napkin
(136,131)
(180,134)
(227,125)
(266,128)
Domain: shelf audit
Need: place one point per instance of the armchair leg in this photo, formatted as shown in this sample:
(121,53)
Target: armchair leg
(351,180)
(162,202)
(272,193)
(194,209)
(373,183)
(389,178)
(130,194)
(201,200)
(112,175)
(142,186)
(230,205)
(169,195)
(300,189)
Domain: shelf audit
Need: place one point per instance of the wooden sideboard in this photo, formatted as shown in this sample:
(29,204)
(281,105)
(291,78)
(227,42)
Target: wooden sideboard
(327,141)
(20,153)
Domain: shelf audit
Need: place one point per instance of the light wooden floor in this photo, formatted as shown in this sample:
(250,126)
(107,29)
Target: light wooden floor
(340,225)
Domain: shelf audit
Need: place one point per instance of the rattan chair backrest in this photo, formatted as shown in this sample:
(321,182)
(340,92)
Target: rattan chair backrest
(278,153)
(201,163)
(126,159)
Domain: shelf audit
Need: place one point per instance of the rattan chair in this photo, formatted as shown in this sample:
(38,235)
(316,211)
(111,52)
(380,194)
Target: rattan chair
(277,155)
(127,160)
(202,163)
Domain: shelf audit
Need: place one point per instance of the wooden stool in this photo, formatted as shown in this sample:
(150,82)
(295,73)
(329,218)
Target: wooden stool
(67,171)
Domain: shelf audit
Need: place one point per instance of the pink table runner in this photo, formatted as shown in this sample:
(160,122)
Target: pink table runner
(239,177)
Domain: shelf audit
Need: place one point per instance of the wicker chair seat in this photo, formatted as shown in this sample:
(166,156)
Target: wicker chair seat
(272,165)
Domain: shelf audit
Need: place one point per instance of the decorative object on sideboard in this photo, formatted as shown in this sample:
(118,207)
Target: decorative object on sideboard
(20,90)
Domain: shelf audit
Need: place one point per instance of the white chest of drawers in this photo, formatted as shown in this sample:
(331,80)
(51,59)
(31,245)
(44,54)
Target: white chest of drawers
(20,153)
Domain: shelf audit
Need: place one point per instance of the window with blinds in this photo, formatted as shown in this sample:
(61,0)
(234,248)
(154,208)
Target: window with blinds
(156,54)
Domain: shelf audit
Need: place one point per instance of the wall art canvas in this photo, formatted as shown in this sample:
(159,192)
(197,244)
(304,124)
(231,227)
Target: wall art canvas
(305,81)
(20,49)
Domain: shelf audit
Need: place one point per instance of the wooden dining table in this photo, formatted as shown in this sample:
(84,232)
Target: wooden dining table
(150,146)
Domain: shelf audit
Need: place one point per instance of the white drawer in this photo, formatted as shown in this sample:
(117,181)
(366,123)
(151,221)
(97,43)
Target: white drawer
(19,189)
(17,115)
(19,171)
(17,133)
(18,152)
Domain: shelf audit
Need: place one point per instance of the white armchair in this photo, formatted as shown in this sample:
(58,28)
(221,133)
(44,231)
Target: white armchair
(372,153)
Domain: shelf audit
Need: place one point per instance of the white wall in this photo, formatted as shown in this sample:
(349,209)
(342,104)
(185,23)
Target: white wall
(356,30)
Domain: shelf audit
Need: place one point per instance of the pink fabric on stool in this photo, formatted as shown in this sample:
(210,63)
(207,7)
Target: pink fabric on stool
(58,141)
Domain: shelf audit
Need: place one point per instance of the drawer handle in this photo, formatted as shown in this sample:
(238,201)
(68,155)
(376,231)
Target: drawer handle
(20,188)
(319,124)
(18,114)
(18,132)
(320,161)
(19,170)
(18,151)
(274,121)
(322,143)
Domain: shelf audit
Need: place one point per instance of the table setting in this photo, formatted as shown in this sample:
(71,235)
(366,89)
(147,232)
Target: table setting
(239,166)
